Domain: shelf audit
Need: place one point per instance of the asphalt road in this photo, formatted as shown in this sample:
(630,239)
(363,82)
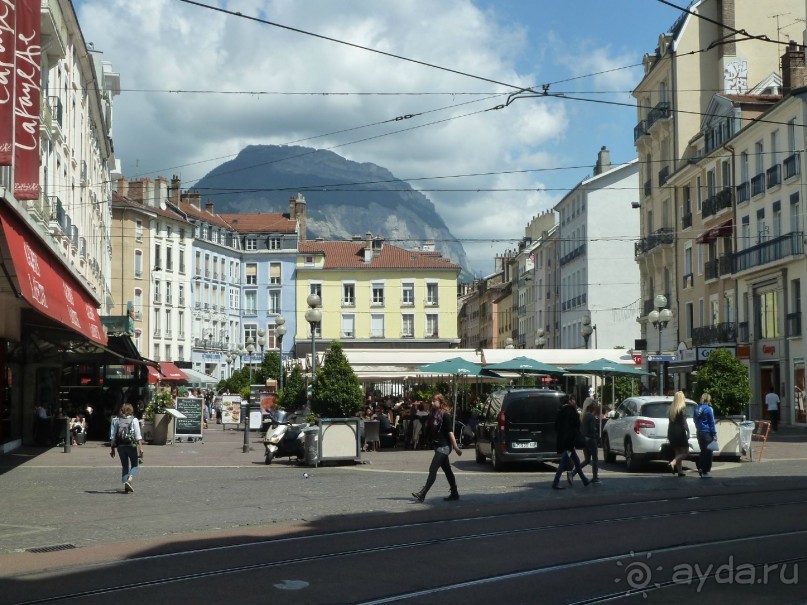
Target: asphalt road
(209,523)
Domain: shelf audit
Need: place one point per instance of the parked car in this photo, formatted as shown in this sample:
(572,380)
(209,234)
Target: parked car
(518,425)
(638,428)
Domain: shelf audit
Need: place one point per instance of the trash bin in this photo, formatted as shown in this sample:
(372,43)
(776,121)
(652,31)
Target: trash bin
(311,446)
(746,431)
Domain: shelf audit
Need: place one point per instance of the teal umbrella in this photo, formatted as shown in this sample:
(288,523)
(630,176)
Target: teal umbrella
(605,367)
(525,365)
(456,366)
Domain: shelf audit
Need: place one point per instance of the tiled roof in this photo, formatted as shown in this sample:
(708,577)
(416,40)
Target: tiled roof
(119,201)
(350,255)
(203,215)
(260,223)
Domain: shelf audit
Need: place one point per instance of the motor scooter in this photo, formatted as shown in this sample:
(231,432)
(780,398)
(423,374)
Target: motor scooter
(283,438)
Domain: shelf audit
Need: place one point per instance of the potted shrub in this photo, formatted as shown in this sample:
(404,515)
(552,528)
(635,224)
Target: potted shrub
(155,412)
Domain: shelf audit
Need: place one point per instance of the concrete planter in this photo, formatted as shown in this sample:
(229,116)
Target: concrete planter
(156,431)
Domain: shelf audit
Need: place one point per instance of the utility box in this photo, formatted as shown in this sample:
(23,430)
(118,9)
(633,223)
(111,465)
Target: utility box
(339,439)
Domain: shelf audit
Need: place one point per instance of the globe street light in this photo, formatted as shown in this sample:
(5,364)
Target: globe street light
(313,316)
(249,350)
(280,331)
(587,330)
(508,343)
(540,341)
(660,317)
(261,342)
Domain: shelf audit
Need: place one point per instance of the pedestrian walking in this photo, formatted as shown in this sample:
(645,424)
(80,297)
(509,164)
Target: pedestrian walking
(567,429)
(706,433)
(772,403)
(126,437)
(440,435)
(678,433)
(590,428)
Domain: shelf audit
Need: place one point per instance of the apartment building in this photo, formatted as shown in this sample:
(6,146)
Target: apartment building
(693,60)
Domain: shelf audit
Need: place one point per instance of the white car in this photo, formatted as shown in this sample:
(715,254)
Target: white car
(638,428)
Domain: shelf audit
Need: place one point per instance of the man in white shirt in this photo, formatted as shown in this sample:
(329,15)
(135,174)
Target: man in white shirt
(772,403)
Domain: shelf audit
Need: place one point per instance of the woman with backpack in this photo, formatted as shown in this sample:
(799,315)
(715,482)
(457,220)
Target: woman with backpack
(126,437)
(706,431)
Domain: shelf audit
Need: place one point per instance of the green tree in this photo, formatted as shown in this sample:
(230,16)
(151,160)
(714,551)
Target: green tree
(270,367)
(293,395)
(726,380)
(337,392)
(624,387)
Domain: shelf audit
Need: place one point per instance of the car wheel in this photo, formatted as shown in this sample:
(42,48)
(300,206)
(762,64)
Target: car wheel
(630,459)
(494,458)
(606,450)
(269,457)
(480,457)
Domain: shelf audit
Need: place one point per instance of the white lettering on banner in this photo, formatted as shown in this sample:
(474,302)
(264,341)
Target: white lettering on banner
(96,333)
(29,86)
(6,44)
(73,317)
(90,311)
(38,291)
(68,293)
(32,258)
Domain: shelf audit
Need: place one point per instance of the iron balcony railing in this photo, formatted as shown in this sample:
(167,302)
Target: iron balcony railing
(660,112)
(663,175)
(686,221)
(743,192)
(639,130)
(710,269)
(791,166)
(771,251)
(758,184)
(648,187)
(774,175)
(718,333)
(663,236)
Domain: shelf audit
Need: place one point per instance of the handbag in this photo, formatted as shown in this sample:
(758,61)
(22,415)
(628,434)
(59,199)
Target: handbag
(713,446)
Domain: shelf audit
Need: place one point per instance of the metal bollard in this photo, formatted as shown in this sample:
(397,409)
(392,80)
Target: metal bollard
(245,416)
(68,441)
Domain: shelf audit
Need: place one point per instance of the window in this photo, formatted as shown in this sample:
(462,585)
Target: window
(376,325)
(273,243)
(251,330)
(274,302)
(407,325)
(182,260)
(768,315)
(432,325)
(157,297)
(251,272)
(181,289)
(250,302)
(234,306)
(760,158)
(274,274)
(348,326)
(138,263)
(689,317)
(139,231)
(181,326)
(169,258)
(408,294)
(316,288)
(181,353)
(309,260)
(198,263)
(138,303)
(744,167)
(349,295)
(157,257)
(252,243)
(156,353)
(431,294)
(378,294)
(169,299)
(169,324)
(157,323)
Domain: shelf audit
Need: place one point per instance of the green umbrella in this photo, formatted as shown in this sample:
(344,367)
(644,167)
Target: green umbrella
(525,365)
(456,366)
(605,367)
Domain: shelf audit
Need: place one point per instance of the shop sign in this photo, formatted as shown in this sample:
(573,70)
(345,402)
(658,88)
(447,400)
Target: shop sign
(704,352)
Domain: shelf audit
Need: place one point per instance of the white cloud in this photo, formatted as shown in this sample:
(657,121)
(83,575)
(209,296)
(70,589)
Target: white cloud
(168,45)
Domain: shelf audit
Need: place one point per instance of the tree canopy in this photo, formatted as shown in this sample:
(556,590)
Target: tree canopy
(727,381)
(337,392)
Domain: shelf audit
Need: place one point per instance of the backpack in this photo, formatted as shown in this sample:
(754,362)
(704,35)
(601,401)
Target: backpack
(124,432)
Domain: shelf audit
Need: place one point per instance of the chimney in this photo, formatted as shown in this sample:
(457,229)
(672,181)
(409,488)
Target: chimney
(368,247)
(300,215)
(428,246)
(123,186)
(137,191)
(194,199)
(174,193)
(603,160)
(209,207)
(161,192)
(794,70)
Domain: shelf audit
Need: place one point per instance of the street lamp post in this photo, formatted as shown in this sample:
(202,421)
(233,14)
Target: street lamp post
(280,331)
(660,317)
(313,316)
(250,350)
(261,342)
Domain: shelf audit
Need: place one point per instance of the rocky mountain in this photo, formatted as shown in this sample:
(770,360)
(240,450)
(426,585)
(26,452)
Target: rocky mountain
(344,198)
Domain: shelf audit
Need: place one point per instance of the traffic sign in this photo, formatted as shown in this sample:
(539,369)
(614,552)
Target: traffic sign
(661,358)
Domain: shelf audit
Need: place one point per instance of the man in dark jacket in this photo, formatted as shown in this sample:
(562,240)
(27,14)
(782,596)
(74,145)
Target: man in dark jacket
(567,429)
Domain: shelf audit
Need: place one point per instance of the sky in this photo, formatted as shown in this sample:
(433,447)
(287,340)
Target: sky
(198,85)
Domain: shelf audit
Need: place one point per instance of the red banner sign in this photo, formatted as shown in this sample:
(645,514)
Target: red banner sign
(7,48)
(27,101)
(46,285)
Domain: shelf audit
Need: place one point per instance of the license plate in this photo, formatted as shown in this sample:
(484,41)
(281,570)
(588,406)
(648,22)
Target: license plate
(524,445)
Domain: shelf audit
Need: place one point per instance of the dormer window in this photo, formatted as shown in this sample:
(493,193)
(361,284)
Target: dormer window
(251,243)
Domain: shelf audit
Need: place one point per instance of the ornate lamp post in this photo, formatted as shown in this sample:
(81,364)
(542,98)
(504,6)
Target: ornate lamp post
(280,331)
(540,341)
(660,317)
(508,343)
(261,342)
(250,351)
(313,316)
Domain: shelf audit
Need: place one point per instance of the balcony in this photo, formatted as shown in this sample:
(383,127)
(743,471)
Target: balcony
(718,333)
(774,176)
(791,166)
(579,251)
(725,265)
(56,118)
(758,184)
(710,269)
(771,251)
(663,175)
(639,130)
(686,221)
(663,236)
(720,201)
(793,324)
(743,191)
(660,112)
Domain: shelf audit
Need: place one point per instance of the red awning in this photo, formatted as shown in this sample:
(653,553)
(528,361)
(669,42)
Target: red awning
(722,230)
(167,371)
(41,278)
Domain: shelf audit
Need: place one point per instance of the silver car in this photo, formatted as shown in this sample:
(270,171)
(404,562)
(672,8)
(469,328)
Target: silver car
(638,428)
